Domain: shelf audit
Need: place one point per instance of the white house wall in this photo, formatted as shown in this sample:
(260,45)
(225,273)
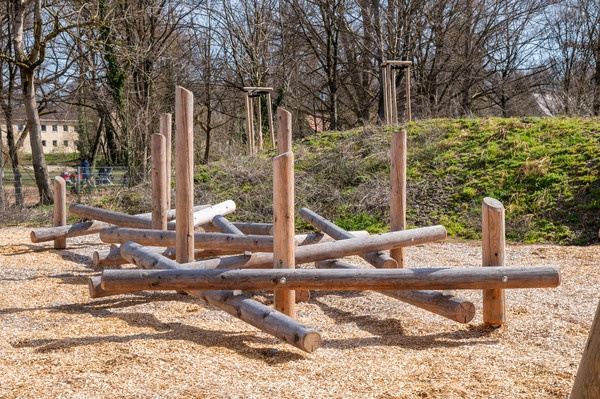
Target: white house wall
(57,137)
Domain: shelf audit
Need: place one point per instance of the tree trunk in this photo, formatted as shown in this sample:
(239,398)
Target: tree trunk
(12,153)
(40,169)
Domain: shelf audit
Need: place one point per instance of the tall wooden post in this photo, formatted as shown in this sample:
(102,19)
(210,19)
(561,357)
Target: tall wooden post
(249,124)
(165,130)
(388,94)
(384,83)
(255,107)
(494,312)
(284,131)
(398,190)
(60,209)
(184,176)
(259,123)
(159,182)
(283,227)
(393,95)
(283,210)
(587,382)
(270,116)
(388,75)
(407,83)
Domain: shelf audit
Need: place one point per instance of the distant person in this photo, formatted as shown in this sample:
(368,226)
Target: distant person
(86,170)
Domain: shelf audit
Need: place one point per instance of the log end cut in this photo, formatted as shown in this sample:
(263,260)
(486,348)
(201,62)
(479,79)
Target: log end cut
(310,342)
(465,312)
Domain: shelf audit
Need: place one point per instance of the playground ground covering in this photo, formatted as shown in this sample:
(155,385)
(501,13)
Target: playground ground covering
(56,342)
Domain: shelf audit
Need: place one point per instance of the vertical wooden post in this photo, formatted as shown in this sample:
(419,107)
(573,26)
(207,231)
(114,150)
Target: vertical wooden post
(587,381)
(283,227)
(249,124)
(494,313)
(165,130)
(60,209)
(407,82)
(284,131)
(283,209)
(184,176)
(398,190)
(270,116)
(384,84)
(393,94)
(259,123)
(159,182)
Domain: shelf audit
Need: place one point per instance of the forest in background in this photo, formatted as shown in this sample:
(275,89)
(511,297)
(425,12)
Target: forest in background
(117,63)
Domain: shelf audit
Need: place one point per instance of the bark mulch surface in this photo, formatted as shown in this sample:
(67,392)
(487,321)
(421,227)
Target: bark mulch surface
(57,342)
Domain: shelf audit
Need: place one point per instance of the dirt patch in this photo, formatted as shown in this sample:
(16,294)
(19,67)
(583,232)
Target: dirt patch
(57,342)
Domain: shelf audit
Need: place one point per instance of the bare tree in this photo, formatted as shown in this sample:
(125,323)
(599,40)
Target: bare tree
(8,83)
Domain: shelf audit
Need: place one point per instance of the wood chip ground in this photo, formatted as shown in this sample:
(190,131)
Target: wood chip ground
(56,342)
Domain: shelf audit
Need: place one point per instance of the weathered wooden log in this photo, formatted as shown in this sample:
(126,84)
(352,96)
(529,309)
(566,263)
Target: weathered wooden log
(334,279)
(60,209)
(492,239)
(283,227)
(68,231)
(252,312)
(448,306)
(270,116)
(96,291)
(398,190)
(87,228)
(184,174)
(164,238)
(165,130)
(335,249)
(111,257)
(377,259)
(261,259)
(159,182)
(587,381)
(265,229)
(284,131)
(222,208)
(115,218)
(249,124)
(225,226)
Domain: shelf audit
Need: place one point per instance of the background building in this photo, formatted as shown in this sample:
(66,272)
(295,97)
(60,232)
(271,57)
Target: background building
(59,134)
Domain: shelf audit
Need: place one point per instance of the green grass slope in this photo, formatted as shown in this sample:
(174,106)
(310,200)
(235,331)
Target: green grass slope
(544,171)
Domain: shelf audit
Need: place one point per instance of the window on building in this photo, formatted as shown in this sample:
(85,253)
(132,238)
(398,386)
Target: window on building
(66,143)
(43,128)
(54,143)
(65,128)
(20,127)
(43,143)
(55,128)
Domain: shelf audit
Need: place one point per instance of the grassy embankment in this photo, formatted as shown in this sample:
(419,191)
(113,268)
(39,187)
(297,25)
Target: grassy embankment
(546,172)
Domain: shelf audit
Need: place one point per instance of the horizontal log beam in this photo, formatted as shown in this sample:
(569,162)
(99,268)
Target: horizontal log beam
(335,249)
(244,308)
(206,215)
(201,240)
(255,228)
(448,306)
(112,257)
(333,279)
(112,217)
(68,231)
(377,259)
(87,228)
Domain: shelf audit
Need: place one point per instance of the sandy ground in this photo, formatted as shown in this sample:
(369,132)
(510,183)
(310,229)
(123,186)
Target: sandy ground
(57,342)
